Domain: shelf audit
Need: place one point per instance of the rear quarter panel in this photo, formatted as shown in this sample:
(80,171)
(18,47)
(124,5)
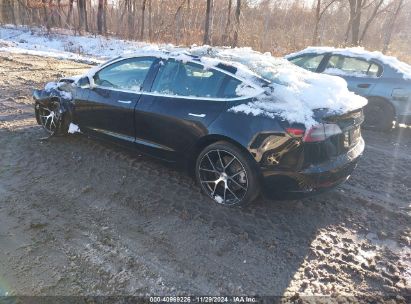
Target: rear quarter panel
(243,127)
(385,87)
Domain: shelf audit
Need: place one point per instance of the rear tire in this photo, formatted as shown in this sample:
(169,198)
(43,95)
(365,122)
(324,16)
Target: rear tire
(378,115)
(227,175)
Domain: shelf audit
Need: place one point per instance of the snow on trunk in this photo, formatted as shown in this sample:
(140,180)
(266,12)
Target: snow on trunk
(292,93)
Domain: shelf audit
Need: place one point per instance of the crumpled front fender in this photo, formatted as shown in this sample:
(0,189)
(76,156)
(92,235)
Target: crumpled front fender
(44,98)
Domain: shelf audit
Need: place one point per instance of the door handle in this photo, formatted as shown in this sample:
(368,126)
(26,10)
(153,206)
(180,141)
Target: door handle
(364,85)
(196,115)
(124,101)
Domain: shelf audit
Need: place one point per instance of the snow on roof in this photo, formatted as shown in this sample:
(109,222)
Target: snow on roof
(292,93)
(399,66)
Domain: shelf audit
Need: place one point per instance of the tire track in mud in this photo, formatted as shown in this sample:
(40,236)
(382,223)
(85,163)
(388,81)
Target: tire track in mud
(148,172)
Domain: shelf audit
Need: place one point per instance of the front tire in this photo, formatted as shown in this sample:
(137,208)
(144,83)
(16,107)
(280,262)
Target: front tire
(378,115)
(52,118)
(227,174)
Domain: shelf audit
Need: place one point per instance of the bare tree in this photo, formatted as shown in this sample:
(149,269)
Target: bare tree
(100,16)
(105,16)
(143,13)
(81,13)
(319,12)
(46,15)
(237,23)
(177,18)
(70,12)
(265,25)
(226,34)
(7,12)
(374,14)
(391,23)
(207,28)
(355,20)
(150,23)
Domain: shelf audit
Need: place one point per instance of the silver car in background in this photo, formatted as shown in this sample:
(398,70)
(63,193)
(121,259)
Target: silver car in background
(383,80)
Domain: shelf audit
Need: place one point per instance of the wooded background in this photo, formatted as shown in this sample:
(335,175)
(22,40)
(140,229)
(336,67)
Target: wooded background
(277,26)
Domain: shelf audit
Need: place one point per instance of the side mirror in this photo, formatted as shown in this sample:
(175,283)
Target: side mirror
(84,83)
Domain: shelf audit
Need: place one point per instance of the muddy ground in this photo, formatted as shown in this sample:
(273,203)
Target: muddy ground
(79,217)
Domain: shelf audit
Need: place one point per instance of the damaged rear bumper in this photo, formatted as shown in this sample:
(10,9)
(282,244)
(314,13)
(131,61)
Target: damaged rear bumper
(314,179)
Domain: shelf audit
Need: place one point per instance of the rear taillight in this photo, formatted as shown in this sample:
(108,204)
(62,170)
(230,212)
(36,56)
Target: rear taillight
(295,132)
(321,132)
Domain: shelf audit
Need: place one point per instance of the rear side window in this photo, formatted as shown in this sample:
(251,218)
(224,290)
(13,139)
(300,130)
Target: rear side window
(348,66)
(230,88)
(128,74)
(308,62)
(192,80)
(187,79)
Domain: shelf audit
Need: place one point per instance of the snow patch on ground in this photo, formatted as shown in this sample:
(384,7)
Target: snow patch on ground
(399,66)
(63,44)
(73,128)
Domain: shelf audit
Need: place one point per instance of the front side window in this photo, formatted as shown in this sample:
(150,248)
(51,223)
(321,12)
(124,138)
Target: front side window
(128,74)
(191,79)
(308,62)
(348,66)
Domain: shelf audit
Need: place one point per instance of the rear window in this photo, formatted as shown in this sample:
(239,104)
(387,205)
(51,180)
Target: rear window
(348,66)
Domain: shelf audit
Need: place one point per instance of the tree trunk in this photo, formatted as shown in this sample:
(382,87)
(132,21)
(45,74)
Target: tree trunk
(59,13)
(80,14)
(143,14)
(207,30)
(105,17)
(7,12)
(237,23)
(51,14)
(370,20)
(85,14)
(226,34)
(355,18)
(150,24)
(70,11)
(317,22)
(100,14)
(390,30)
(46,15)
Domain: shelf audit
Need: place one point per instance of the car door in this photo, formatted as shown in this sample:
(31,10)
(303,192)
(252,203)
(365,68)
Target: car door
(113,97)
(361,75)
(184,100)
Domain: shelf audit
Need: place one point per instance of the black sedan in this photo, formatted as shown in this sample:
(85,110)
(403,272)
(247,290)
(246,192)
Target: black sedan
(177,109)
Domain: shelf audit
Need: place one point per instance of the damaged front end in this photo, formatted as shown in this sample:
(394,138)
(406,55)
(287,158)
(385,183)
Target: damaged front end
(53,107)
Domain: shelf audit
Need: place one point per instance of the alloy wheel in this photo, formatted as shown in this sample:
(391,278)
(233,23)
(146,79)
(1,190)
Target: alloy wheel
(49,117)
(223,177)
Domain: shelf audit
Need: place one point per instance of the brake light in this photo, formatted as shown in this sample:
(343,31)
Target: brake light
(321,132)
(295,132)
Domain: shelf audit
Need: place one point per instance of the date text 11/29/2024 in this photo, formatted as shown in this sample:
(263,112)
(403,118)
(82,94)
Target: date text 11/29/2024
(204,299)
